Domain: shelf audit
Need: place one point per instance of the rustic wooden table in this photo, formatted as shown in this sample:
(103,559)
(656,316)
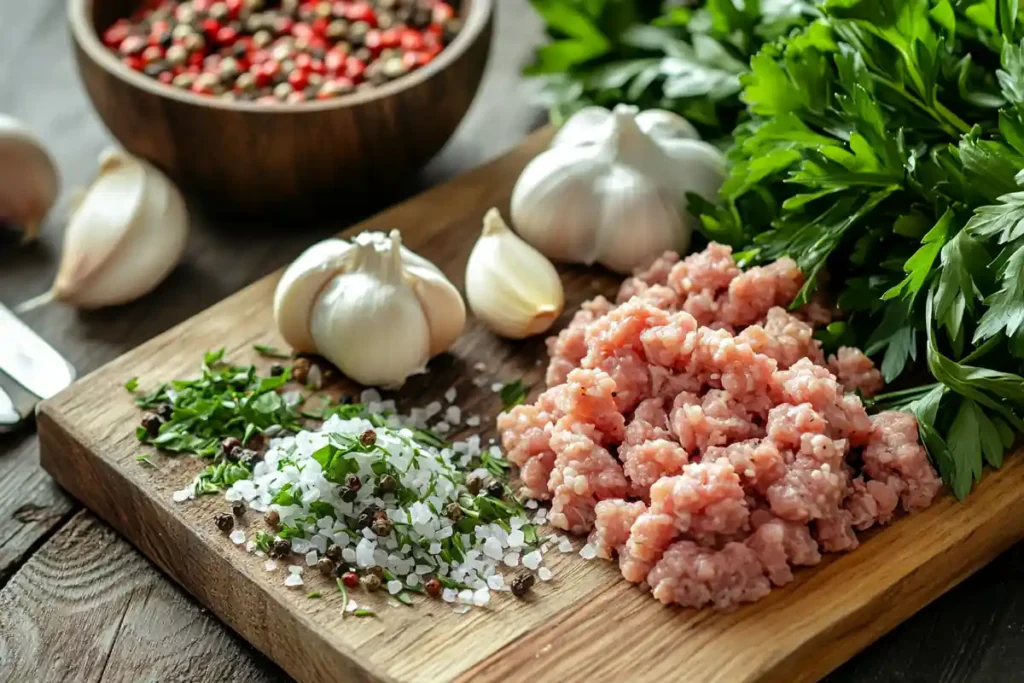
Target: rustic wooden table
(77,603)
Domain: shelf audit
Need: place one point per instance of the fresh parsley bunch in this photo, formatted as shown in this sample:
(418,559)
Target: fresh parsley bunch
(656,54)
(884,153)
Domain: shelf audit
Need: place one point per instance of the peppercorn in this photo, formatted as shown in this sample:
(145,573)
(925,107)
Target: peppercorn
(194,42)
(350,579)
(334,552)
(496,489)
(300,368)
(376,571)
(224,522)
(281,547)
(281,92)
(228,69)
(218,11)
(368,438)
(238,508)
(366,517)
(382,526)
(184,80)
(247,458)
(387,484)
(394,68)
(432,586)
(522,584)
(229,446)
(273,519)
(276,370)
(255,442)
(450,29)
(325,566)
(151,422)
(346,494)
(474,482)
(337,29)
(370,582)
(453,511)
(357,32)
(165,411)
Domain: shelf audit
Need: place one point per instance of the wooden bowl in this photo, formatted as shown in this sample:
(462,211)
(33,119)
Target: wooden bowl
(243,156)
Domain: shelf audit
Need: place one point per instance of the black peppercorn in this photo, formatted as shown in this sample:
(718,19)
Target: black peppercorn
(522,584)
(376,571)
(325,566)
(238,508)
(255,442)
(165,411)
(151,423)
(247,458)
(452,511)
(230,446)
(276,370)
(334,552)
(280,548)
(366,517)
(495,489)
(370,582)
(474,482)
(348,495)
(382,526)
(368,438)
(224,522)
(387,484)
(300,368)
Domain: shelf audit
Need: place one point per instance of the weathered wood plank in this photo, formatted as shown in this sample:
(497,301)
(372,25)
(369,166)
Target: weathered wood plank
(116,616)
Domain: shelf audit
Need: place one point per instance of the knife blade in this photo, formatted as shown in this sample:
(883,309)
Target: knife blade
(29,360)
(9,417)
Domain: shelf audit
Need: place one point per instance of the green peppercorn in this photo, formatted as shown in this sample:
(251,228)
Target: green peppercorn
(357,32)
(262,38)
(394,67)
(337,29)
(224,522)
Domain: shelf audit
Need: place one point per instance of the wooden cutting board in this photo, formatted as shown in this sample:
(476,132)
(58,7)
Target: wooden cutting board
(586,624)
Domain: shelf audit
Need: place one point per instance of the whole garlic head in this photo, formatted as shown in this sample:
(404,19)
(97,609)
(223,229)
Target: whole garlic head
(375,309)
(29,182)
(612,187)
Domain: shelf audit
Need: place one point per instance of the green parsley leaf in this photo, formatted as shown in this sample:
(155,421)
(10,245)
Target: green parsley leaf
(512,394)
(404,598)
(270,351)
(144,459)
(132,385)
(314,595)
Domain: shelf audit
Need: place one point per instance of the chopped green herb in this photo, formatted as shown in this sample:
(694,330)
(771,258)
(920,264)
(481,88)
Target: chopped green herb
(344,598)
(364,612)
(404,598)
(314,595)
(132,384)
(263,541)
(270,351)
(512,394)
(144,459)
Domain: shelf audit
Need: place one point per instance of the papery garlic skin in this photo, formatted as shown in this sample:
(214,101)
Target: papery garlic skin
(612,188)
(513,288)
(29,181)
(369,322)
(340,299)
(124,238)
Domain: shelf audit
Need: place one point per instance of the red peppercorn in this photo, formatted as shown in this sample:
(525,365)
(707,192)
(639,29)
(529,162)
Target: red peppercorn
(432,586)
(350,579)
(196,59)
(134,63)
(391,37)
(414,60)
(303,61)
(234,8)
(210,28)
(298,79)
(284,25)
(442,11)
(411,40)
(153,53)
(372,41)
(302,30)
(354,69)
(227,35)
(319,26)
(361,11)
(201,5)
(115,35)
(159,27)
(132,45)
(166,77)
(296,97)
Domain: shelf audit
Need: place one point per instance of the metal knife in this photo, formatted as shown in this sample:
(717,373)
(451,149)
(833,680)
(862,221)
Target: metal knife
(9,416)
(30,361)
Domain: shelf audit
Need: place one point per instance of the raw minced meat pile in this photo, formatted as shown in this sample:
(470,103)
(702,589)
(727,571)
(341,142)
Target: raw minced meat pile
(697,432)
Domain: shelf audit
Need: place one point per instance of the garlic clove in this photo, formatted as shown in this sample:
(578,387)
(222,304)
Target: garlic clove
(511,286)
(442,304)
(369,322)
(705,167)
(665,125)
(588,126)
(299,287)
(29,182)
(126,236)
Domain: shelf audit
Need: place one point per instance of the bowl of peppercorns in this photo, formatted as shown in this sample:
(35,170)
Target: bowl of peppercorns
(282,104)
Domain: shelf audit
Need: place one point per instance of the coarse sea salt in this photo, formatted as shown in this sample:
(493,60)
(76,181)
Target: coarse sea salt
(237,537)
(293,580)
(496,582)
(532,560)
(270,565)
(496,387)
(462,609)
(311,558)
(294,569)
(511,560)
(473,421)
(394,587)
(588,552)
(565,545)
(450,395)
(544,574)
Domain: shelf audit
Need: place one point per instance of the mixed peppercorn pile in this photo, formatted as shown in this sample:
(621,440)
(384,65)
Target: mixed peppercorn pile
(281,50)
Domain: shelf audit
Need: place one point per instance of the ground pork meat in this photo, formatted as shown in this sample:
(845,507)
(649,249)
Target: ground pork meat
(784,338)
(855,371)
(643,278)
(632,377)
(805,382)
(835,534)
(692,576)
(648,451)
(788,423)
(895,457)
(589,396)
(583,474)
(714,420)
(814,483)
(706,500)
(613,520)
(710,270)
(870,502)
(649,536)
(758,462)
(667,384)
(757,290)
(568,348)
(526,439)
(780,545)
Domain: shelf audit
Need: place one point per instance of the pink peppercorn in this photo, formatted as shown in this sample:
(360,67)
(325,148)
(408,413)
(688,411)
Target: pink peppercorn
(298,79)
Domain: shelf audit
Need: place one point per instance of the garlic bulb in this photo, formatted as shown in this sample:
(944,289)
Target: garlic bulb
(612,187)
(29,182)
(375,309)
(125,236)
(511,286)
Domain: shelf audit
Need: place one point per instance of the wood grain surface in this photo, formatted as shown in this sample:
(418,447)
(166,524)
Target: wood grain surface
(588,624)
(973,634)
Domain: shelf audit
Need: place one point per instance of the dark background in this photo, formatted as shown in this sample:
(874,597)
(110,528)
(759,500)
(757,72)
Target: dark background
(78,603)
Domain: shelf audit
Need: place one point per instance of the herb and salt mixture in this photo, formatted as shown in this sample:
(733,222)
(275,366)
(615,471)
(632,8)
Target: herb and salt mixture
(369,497)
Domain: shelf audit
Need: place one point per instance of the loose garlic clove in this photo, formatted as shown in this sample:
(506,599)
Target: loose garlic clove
(511,286)
(29,182)
(124,238)
(369,322)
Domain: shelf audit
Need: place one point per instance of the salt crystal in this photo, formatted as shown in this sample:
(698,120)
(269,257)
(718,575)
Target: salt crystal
(348,554)
(432,409)
(270,565)
(480,367)
(435,548)
(250,546)
(481,597)
(532,560)
(442,427)
(448,594)
(492,548)
(466,596)
(293,580)
(516,539)
(450,395)
(237,537)
(588,552)
(462,609)
(315,377)
(565,545)
(479,382)
(545,574)
(294,569)
(182,495)
(311,558)
(394,587)
(496,387)
(369,396)
(412,580)
(453,415)
(352,605)
(473,421)
(511,560)
(496,582)
(531,504)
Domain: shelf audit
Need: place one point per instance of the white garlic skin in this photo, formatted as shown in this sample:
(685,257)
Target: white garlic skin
(299,287)
(513,288)
(370,324)
(124,238)
(29,181)
(612,188)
